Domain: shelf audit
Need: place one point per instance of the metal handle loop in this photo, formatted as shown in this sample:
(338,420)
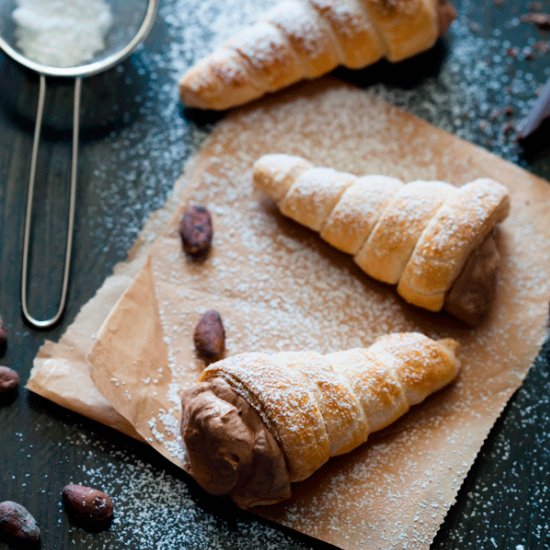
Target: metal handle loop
(46,323)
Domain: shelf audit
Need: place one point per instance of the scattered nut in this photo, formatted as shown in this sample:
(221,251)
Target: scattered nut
(9,380)
(17,525)
(210,337)
(196,231)
(87,507)
(3,338)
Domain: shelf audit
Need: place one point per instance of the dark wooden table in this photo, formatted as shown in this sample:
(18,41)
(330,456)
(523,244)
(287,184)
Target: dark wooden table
(135,139)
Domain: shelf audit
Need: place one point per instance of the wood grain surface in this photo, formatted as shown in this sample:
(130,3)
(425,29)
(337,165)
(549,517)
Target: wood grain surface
(135,140)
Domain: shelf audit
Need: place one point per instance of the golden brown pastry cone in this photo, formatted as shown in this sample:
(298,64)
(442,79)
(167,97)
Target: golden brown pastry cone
(301,39)
(417,236)
(315,406)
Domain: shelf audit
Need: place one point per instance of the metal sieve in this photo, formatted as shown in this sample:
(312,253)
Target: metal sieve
(132,21)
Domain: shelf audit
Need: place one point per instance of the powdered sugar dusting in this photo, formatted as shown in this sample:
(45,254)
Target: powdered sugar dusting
(392,241)
(62,34)
(416,230)
(505,500)
(300,25)
(358,211)
(279,287)
(314,195)
(307,399)
(154,508)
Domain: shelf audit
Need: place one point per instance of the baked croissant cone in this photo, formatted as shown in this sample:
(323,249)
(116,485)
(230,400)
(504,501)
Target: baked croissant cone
(257,422)
(431,239)
(303,39)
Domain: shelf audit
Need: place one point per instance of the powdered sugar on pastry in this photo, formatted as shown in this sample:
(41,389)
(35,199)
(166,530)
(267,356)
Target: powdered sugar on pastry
(417,236)
(307,38)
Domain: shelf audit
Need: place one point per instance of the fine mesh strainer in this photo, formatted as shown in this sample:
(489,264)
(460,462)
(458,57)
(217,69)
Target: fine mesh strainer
(132,21)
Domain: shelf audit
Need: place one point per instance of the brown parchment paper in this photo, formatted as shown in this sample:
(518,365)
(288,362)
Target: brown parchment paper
(278,286)
(60,370)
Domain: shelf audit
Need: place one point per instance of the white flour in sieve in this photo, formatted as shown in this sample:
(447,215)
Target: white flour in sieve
(61,33)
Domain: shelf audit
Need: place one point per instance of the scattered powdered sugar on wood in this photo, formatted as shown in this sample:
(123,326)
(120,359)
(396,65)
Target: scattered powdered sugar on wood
(484,101)
(154,508)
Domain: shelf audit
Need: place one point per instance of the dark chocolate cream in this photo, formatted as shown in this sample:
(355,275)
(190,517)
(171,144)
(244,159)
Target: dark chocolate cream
(473,291)
(229,449)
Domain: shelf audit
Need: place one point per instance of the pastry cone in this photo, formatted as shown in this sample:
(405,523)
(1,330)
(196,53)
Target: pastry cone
(431,239)
(301,39)
(257,422)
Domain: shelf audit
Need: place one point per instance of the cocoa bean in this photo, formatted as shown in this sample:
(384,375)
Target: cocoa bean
(87,506)
(9,380)
(17,525)
(196,231)
(209,337)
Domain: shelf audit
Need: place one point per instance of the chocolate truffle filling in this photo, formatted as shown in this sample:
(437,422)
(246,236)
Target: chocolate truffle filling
(472,292)
(229,450)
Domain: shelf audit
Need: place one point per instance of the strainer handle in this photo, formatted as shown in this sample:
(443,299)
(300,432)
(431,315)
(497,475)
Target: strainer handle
(46,323)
